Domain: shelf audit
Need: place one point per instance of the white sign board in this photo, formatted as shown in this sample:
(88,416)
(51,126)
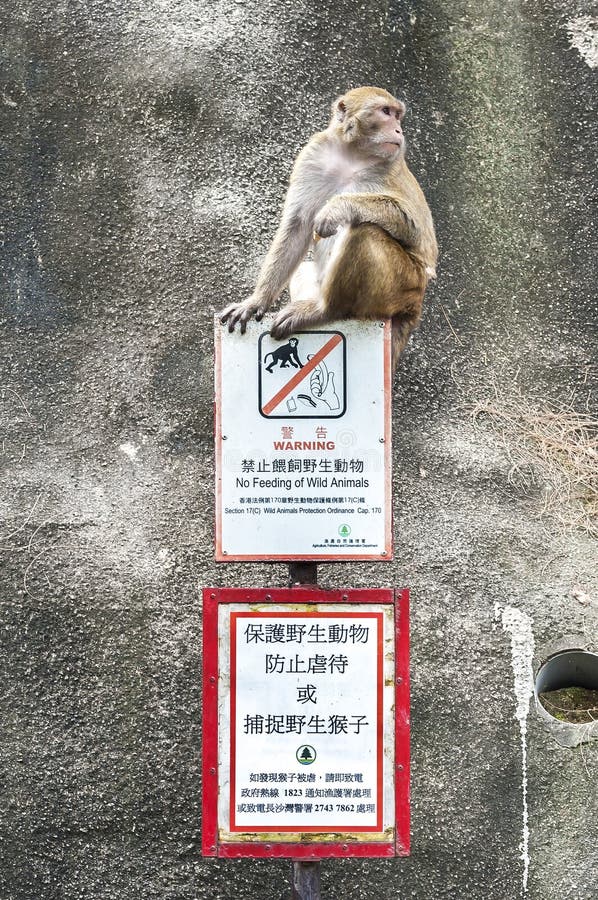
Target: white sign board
(302,733)
(303,453)
(305,722)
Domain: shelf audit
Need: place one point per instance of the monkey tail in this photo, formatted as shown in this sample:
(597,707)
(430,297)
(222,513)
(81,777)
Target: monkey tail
(402,326)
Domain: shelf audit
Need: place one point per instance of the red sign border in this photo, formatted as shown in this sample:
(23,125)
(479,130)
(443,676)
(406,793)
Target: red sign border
(220,555)
(211,845)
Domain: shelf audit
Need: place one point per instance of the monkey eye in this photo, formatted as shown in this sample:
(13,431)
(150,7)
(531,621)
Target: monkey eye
(386,110)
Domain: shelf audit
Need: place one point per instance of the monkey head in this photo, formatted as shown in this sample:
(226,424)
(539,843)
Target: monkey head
(369,119)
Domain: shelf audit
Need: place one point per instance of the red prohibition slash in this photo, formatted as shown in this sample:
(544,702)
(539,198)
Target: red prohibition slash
(309,366)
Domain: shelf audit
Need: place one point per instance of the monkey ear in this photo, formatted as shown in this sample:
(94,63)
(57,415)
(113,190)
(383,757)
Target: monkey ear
(403,109)
(339,110)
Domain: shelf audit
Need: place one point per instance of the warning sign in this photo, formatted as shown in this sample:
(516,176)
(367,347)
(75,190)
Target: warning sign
(320,679)
(303,378)
(309,722)
(303,451)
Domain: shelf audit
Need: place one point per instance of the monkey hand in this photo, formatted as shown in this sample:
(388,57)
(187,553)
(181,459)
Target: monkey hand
(241,313)
(286,322)
(328,220)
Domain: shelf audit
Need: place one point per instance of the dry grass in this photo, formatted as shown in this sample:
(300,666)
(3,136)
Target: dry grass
(552,444)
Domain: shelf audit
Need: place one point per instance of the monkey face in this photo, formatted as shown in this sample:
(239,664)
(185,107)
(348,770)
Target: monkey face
(387,132)
(371,120)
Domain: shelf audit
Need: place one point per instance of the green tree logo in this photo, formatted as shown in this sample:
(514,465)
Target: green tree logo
(305,754)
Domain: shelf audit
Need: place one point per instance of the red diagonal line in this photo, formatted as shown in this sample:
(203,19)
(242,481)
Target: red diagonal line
(309,366)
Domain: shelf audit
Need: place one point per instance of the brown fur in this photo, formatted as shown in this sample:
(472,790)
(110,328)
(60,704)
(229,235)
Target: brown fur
(351,184)
(373,278)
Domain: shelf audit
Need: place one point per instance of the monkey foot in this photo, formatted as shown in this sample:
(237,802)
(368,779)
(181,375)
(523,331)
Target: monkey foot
(300,314)
(284,324)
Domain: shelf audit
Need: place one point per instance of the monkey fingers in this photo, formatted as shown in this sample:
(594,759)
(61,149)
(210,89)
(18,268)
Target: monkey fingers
(284,324)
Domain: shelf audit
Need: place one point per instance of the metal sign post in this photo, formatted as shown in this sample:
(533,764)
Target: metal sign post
(305,881)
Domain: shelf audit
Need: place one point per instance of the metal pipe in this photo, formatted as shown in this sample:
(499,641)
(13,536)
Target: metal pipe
(306,881)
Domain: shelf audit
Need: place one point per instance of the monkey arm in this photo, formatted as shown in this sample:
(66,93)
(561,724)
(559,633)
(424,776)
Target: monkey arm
(384,210)
(288,248)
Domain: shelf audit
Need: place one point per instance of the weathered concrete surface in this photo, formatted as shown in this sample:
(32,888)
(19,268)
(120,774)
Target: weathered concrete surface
(121,236)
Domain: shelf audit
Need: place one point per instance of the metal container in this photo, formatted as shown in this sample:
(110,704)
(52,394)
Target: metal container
(567,668)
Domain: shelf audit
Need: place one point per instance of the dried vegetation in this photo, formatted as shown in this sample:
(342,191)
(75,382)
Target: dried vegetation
(551,444)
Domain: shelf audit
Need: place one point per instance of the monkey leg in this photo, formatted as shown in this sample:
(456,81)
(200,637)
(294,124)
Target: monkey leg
(375,277)
(305,284)
(306,306)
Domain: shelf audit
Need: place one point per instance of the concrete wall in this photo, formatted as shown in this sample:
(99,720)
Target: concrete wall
(148,146)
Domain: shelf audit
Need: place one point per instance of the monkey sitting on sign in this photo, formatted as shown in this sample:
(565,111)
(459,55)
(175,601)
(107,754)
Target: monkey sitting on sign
(355,203)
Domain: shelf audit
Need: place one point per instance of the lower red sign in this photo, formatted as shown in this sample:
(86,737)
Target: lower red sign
(306,722)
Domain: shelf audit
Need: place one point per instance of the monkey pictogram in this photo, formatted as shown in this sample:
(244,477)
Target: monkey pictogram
(284,355)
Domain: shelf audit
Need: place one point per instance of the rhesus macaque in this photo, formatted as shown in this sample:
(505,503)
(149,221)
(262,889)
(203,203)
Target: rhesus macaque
(354,203)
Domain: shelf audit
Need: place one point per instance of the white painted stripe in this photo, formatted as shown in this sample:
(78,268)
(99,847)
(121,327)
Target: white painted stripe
(519,627)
